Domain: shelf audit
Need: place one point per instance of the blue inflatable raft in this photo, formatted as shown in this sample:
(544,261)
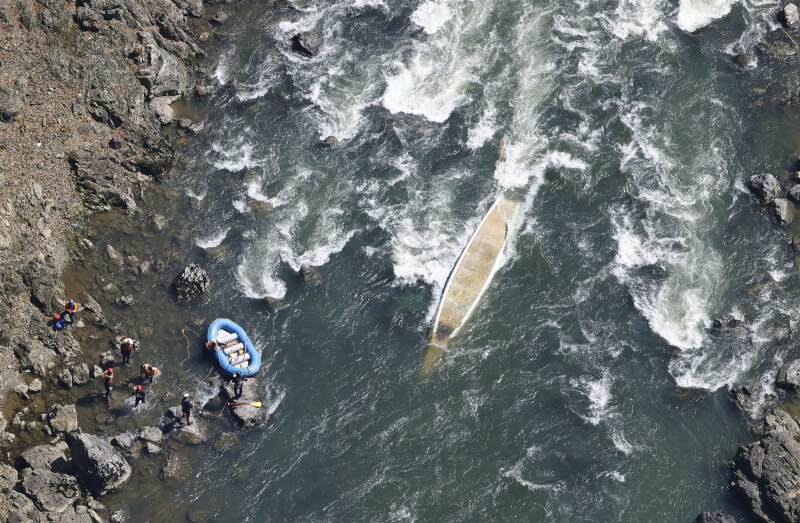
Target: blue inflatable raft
(235,352)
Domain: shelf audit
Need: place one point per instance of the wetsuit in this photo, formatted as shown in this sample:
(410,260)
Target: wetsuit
(238,384)
(139,395)
(107,380)
(70,311)
(186,408)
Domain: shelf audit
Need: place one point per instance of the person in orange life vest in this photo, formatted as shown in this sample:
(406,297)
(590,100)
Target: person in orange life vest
(149,372)
(70,308)
(126,348)
(108,378)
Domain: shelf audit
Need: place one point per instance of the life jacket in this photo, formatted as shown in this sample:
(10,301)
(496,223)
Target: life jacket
(186,405)
(127,344)
(74,307)
(108,378)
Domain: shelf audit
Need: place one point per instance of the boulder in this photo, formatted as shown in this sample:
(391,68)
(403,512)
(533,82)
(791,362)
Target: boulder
(96,371)
(794,193)
(765,186)
(741,397)
(45,457)
(101,468)
(175,470)
(247,416)
(327,143)
(219,18)
(789,375)
(11,104)
(124,441)
(65,378)
(259,209)
(80,374)
(20,508)
(743,60)
(310,275)
(35,386)
(64,419)
(151,449)
(307,43)
(192,284)
(106,359)
(714,517)
(151,434)
(766,475)
(789,17)
(778,420)
(193,434)
(8,476)
(50,491)
(727,322)
(782,209)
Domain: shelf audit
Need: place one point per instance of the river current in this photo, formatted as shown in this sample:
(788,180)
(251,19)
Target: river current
(588,385)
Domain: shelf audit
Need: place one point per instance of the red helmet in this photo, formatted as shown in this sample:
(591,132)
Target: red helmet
(138,388)
(111,371)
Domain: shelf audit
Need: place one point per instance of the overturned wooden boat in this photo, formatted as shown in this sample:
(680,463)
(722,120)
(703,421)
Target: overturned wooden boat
(470,277)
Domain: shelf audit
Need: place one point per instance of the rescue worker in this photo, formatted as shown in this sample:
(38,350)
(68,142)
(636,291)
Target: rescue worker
(108,378)
(211,347)
(126,348)
(238,384)
(186,408)
(70,308)
(138,393)
(149,372)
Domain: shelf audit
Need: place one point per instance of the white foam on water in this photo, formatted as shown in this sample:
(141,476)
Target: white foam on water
(622,444)
(599,395)
(484,130)
(213,241)
(515,473)
(236,156)
(432,15)
(615,475)
(696,14)
(192,194)
(433,82)
(639,18)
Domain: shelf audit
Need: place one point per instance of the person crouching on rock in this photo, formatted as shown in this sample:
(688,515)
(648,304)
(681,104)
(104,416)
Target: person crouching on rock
(108,379)
(70,308)
(186,408)
(238,384)
(126,349)
(138,393)
(149,372)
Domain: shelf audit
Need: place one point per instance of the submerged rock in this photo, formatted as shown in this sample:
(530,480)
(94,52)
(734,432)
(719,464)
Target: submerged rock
(782,209)
(175,470)
(192,284)
(102,468)
(307,43)
(727,322)
(765,186)
(789,375)
(713,517)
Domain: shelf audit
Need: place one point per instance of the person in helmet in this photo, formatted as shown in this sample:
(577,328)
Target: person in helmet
(126,348)
(149,372)
(108,379)
(238,384)
(138,393)
(70,308)
(186,407)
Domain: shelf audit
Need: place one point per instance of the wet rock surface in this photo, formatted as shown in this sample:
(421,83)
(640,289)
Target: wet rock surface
(714,517)
(192,284)
(50,491)
(789,375)
(765,186)
(101,468)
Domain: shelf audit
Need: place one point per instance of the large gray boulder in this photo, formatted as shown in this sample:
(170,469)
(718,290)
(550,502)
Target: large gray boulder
(8,476)
(789,17)
(247,416)
(765,186)
(778,420)
(64,419)
(101,468)
(45,457)
(151,434)
(50,491)
(80,374)
(789,375)
(192,284)
(766,474)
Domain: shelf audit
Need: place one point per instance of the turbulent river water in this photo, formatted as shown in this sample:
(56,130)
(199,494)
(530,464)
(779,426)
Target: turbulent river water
(588,384)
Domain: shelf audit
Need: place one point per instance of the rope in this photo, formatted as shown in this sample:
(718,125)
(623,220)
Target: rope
(183,333)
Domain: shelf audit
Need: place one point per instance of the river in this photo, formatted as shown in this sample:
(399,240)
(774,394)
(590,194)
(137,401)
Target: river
(588,385)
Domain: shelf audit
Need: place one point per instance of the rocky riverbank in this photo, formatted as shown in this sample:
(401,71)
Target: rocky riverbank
(86,94)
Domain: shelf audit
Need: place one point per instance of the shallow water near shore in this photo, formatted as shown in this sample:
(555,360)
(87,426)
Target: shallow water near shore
(588,385)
